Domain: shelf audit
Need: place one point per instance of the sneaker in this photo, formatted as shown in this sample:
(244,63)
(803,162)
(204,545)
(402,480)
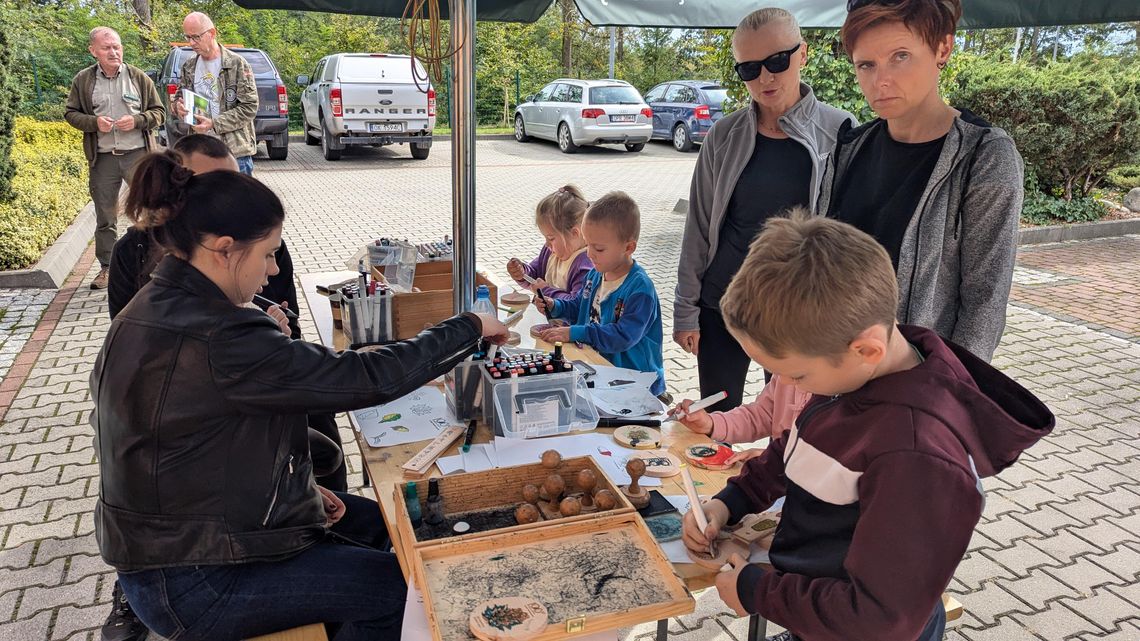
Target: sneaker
(122,624)
(783,636)
(100,281)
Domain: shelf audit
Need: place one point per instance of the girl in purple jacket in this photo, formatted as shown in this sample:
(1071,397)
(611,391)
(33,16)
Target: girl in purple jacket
(560,269)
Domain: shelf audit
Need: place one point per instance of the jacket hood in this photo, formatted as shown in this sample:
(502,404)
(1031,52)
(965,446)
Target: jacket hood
(993,416)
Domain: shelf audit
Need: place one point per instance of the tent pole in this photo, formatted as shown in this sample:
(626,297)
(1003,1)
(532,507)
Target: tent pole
(462,105)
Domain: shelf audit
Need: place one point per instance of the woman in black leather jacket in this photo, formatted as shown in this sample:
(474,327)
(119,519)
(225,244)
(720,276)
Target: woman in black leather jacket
(207,505)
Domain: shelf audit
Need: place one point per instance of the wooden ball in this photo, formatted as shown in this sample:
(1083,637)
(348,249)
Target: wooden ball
(551,459)
(570,506)
(605,500)
(530,493)
(554,486)
(587,480)
(526,513)
(635,467)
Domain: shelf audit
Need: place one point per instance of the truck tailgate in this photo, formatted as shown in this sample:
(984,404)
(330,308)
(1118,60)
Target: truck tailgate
(385,107)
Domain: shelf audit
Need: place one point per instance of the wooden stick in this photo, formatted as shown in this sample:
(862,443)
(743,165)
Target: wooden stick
(695,504)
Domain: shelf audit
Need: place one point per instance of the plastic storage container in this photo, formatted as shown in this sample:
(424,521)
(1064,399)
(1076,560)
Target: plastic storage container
(536,406)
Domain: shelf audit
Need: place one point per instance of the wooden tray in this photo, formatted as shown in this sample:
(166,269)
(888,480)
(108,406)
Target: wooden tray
(499,487)
(592,575)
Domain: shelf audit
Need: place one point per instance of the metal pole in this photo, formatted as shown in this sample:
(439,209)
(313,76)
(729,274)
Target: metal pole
(613,49)
(462,101)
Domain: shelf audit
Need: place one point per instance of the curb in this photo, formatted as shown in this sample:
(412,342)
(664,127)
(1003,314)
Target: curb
(1041,235)
(57,262)
(30,353)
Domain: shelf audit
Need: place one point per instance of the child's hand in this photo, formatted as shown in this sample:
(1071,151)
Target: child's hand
(716,513)
(699,421)
(726,584)
(544,304)
(556,335)
(741,457)
(516,269)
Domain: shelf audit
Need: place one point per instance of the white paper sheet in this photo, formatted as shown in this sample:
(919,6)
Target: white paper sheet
(628,401)
(608,377)
(507,452)
(419,416)
(416,628)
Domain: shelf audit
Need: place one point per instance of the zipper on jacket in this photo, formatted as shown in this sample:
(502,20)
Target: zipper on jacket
(802,420)
(276,491)
(918,226)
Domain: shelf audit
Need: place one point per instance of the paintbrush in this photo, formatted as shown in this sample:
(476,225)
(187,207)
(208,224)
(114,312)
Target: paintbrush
(698,406)
(695,505)
(268,303)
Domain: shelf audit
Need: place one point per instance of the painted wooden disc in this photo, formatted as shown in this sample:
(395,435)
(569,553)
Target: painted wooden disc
(712,456)
(513,618)
(725,548)
(514,338)
(659,463)
(515,299)
(638,437)
(535,330)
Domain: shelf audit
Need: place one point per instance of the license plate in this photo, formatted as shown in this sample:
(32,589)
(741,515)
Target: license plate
(379,127)
(622,118)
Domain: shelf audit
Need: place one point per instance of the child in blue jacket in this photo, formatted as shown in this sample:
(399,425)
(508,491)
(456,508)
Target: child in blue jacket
(617,311)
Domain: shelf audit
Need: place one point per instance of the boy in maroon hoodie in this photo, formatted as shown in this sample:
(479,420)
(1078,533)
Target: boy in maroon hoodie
(882,470)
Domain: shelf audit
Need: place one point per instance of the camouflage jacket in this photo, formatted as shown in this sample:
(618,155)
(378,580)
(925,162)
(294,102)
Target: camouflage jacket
(234,124)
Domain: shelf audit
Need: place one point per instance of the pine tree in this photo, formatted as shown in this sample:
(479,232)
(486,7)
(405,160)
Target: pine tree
(7,116)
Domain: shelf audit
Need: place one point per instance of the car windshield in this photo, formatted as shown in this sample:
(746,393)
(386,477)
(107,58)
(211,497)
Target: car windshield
(259,61)
(379,68)
(614,95)
(717,95)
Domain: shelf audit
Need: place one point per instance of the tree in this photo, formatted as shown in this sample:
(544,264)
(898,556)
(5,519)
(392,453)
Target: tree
(8,106)
(569,24)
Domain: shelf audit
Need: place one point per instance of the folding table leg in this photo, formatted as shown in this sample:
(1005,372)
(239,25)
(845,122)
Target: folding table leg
(757,628)
(663,630)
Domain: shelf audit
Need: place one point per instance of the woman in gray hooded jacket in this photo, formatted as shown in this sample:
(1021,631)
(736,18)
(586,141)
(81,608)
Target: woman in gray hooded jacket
(939,187)
(755,163)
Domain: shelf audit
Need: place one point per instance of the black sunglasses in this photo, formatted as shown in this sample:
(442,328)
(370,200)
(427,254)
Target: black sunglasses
(855,4)
(775,63)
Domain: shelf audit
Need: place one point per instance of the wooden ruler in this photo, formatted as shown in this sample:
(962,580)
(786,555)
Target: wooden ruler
(427,456)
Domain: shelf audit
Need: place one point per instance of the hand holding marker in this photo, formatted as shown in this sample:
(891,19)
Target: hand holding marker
(698,406)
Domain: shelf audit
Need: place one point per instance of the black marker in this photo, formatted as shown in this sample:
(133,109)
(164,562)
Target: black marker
(268,303)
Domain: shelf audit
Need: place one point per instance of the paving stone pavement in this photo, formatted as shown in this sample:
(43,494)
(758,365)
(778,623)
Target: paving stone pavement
(1056,556)
(20,310)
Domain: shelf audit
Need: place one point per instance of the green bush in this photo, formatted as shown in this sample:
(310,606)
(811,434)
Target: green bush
(50,187)
(8,100)
(1125,177)
(1072,121)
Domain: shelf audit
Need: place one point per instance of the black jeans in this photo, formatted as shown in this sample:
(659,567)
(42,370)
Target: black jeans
(332,582)
(721,362)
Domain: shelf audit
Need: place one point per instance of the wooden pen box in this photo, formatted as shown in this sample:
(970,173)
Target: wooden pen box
(412,312)
(609,559)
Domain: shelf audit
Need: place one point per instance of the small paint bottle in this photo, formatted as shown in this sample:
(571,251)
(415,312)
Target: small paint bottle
(411,497)
(434,514)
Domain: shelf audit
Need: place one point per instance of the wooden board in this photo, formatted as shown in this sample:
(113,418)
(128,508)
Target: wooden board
(312,632)
(592,575)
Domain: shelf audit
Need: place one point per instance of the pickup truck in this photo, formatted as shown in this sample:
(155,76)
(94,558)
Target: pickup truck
(367,99)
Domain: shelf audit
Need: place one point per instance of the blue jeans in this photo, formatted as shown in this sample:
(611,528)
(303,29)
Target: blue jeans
(358,592)
(245,165)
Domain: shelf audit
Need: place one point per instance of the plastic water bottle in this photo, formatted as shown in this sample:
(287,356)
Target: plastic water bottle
(483,304)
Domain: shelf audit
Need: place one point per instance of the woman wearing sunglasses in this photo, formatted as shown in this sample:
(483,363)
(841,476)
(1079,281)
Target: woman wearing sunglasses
(755,163)
(939,187)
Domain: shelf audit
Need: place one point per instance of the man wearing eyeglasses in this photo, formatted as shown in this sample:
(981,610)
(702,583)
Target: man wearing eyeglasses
(226,80)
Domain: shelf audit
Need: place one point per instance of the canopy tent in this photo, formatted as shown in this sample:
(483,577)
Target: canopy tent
(645,13)
(714,14)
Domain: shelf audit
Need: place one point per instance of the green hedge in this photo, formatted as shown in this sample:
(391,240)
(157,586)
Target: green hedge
(50,188)
(1125,177)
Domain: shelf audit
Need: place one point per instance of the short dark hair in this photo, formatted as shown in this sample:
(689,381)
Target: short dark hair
(201,144)
(179,208)
(931,20)
(617,210)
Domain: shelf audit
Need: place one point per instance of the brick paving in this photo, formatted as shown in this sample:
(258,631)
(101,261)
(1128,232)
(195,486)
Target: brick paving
(1056,556)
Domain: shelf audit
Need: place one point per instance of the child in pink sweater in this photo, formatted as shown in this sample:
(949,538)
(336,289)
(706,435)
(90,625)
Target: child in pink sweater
(773,412)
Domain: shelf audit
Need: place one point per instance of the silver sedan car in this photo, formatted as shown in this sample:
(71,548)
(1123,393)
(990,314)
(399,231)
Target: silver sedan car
(574,113)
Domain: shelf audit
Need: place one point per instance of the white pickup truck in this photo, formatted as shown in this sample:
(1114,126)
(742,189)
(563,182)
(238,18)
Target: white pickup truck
(367,99)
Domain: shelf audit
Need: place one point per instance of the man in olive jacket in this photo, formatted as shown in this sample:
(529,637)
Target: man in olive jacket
(117,108)
(226,80)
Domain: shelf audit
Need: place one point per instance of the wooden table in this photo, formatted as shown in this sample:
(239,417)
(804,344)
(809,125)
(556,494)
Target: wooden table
(383,464)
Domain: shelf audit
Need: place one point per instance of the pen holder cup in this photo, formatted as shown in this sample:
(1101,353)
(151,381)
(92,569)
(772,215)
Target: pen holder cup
(367,319)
